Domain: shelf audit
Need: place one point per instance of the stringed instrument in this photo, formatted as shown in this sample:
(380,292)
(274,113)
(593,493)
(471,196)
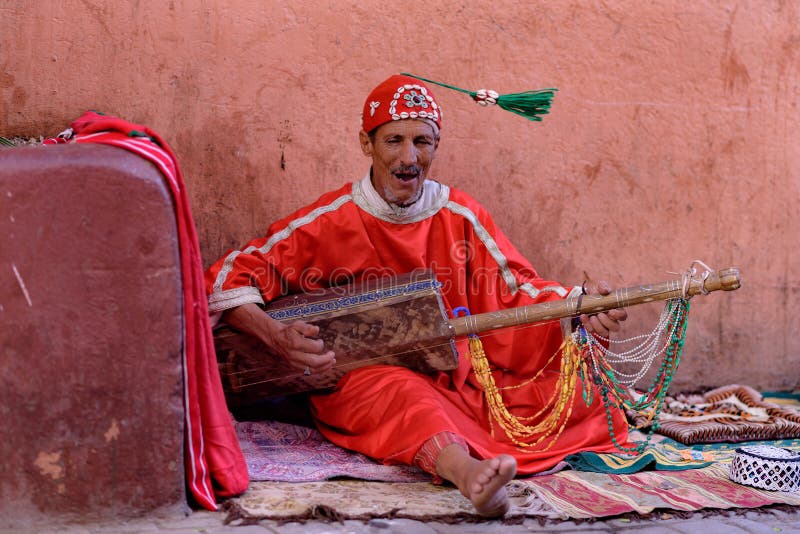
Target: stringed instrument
(402,321)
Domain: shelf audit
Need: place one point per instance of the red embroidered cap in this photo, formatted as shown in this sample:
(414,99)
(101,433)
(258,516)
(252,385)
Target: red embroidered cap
(399,97)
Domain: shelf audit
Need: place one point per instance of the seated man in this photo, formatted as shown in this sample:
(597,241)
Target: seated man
(395,220)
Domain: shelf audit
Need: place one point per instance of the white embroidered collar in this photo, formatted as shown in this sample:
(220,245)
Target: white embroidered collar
(434,196)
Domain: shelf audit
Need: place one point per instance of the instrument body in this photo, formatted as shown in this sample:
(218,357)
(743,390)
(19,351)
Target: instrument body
(402,321)
(392,321)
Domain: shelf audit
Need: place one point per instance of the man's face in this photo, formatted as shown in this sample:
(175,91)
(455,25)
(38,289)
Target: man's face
(401,153)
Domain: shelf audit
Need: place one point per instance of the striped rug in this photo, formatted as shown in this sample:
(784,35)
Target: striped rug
(564,495)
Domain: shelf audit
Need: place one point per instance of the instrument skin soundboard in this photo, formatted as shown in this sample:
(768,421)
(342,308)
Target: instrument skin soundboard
(390,321)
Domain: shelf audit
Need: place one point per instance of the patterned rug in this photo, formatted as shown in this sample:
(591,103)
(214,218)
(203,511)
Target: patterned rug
(298,475)
(731,413)
(662,454)
(576,494)
(665,454)
(285,452)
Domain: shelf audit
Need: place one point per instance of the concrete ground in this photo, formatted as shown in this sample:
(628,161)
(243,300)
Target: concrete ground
(760,521)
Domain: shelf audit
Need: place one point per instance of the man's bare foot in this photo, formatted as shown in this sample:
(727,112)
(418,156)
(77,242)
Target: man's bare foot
(485,485)
(481,481)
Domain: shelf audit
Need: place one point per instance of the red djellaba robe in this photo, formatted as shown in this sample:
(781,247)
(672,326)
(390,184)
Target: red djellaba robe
(388,412)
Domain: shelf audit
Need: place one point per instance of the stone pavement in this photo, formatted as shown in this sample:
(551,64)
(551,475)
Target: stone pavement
(761,521)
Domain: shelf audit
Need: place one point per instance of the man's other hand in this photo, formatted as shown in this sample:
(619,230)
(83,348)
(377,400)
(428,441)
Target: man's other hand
(603,323)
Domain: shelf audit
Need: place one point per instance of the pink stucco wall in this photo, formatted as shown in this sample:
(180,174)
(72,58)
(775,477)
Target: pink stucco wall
(674,135)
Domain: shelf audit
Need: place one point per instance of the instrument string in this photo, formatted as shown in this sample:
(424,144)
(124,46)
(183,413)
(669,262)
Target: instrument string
(434,346)
(382,356)
(674,289)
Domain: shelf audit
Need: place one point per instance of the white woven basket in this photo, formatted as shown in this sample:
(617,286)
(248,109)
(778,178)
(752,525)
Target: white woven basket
(767,467)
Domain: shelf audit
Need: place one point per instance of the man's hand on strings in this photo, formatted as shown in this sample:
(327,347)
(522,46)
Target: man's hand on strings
(296,343)
(603,323)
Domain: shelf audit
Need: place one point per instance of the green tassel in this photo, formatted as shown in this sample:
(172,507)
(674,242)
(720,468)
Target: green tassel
(529,104)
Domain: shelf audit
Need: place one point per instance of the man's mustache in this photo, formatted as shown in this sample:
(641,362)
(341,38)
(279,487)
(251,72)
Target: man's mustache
(410,169)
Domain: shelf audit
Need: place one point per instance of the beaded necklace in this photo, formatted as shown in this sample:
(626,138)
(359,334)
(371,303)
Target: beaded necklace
(586,357)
